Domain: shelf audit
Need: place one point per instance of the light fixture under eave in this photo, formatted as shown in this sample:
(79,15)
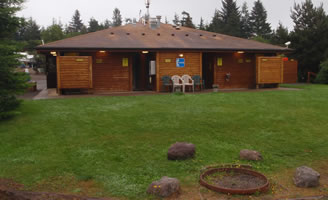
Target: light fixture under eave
(144,52)
(53,52)
(240,52)
(181,55)
(102,51)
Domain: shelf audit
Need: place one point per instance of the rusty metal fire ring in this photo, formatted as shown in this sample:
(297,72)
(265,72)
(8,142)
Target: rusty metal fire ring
(262,188)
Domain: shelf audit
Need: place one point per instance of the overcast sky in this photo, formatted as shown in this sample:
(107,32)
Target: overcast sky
(43,11)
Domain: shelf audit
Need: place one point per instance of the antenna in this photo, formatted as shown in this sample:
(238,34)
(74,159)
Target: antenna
(147,2)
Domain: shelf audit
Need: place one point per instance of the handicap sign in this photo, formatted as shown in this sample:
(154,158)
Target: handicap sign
(180,62)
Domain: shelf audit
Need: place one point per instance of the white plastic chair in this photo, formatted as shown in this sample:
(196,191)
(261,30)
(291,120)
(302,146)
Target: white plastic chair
(177,82)
(187,81)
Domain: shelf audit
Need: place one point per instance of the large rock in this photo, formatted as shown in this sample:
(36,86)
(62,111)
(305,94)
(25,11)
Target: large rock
(246,154)
(181,151)
(164,187)
(306,177)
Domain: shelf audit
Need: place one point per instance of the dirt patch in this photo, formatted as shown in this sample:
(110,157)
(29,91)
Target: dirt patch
(9,184)
(236,180)
(58,188)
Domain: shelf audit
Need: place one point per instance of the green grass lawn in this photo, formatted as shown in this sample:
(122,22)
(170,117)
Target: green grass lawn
(122,142)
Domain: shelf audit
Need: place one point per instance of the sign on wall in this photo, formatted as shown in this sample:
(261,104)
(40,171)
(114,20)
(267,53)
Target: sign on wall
(219,62)
(180,62)
(125,62)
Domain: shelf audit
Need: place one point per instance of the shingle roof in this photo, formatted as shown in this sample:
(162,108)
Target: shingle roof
(142,37)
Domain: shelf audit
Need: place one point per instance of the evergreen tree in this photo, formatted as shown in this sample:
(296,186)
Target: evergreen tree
(117,18)
(245,22)
(280,36)
(323,73)
(166,22)
(176,20)
(107,24)
(11,82)
(201,25)
(230,17)
(310,37)
(187,20)
(76,25)
(258,21)
(216,23)
(29,33)
(53,33)
(94,25)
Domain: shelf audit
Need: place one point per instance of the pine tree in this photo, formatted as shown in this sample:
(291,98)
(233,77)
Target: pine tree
(201,25)
(29,33)
(216,23)
(107,24)
(245,22)
(166,22)
(76,25)
(258,21)
(11,82)
(187,20)
(230,17)
(117,18)
(94,25)
(280,36)
(176,20)
(309,39)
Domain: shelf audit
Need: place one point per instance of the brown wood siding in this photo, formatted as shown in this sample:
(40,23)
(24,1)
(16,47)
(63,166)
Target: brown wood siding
(269,70)
(74,72)
(110,75)
(240,66)
(192,65)
(290,71)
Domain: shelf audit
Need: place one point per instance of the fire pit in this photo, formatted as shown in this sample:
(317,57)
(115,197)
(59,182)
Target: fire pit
(234,181)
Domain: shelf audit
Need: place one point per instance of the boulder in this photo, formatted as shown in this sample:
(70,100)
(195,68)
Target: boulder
(181,151)
(246,154)
(306,177)
(165,187)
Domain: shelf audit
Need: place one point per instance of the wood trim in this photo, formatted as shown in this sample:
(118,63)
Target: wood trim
(130,73)
(58,73)
(157,72)
(214,59)
(258,71)
(282,70)
(90,68)
(201,65)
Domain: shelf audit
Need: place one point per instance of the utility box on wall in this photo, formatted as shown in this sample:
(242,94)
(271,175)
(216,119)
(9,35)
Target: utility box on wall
(269,70)
(152,68)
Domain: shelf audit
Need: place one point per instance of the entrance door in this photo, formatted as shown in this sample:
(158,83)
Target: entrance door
(142,80)
(208,69)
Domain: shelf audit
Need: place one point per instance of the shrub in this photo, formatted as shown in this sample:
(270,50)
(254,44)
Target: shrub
(323,73)
(8,103)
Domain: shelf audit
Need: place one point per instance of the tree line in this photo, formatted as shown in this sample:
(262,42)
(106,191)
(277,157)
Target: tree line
(31,34)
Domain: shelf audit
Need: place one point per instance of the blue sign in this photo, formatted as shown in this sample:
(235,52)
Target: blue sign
(180,62)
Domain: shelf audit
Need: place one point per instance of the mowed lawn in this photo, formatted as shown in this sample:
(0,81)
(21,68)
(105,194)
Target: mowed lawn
(121,143)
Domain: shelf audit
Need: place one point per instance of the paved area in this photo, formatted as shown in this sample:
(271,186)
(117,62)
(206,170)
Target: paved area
(41,85)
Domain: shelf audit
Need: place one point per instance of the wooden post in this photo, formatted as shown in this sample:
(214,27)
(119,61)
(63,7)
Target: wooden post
(90,72)
(58,73)
(201,64)
(157,72)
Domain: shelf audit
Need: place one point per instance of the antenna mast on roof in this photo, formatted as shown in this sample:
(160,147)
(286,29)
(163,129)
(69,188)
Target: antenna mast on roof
(147,2)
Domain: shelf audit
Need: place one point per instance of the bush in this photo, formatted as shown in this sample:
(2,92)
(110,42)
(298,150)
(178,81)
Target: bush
(8,103)
(323,73)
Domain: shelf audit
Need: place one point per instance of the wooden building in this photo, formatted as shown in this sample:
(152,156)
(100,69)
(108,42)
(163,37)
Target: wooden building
(118,59)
